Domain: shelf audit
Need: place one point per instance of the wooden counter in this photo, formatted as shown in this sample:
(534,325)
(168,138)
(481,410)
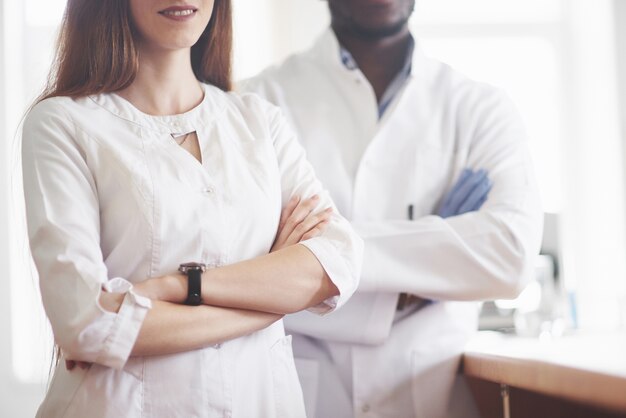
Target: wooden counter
(581,373)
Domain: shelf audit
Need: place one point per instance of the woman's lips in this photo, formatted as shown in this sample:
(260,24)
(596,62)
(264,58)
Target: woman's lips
(179,12)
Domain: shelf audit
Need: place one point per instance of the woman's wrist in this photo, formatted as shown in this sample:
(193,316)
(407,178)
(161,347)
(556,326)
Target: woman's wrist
(209,277)
(168,288)
(111,302)
(174,288)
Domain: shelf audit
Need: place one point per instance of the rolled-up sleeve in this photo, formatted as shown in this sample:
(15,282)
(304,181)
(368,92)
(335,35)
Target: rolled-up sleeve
(339,249)
(62,212)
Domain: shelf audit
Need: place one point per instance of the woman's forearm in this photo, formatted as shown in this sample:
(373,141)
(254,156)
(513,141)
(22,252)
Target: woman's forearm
(285,281)
(171,328)
(282,282)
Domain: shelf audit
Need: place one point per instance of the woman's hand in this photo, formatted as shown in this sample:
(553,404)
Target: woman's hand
(299,223)
(70,364)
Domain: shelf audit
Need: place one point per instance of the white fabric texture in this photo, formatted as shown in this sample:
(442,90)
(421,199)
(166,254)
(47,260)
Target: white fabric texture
(438,124)
(112,200)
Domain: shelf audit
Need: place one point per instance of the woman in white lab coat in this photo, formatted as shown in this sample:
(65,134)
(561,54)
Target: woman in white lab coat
(136,160)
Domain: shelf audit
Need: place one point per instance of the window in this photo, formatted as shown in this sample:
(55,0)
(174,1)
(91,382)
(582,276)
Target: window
(497,47)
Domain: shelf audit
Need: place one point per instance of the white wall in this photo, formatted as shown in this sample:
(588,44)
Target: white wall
(266,31)
(5,307)
(593,146)
(16,399)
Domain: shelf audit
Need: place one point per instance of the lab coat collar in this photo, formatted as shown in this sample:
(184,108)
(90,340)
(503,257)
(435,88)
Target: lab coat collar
(203,114)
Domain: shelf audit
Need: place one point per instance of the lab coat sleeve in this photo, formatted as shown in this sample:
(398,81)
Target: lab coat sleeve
(338,249)
(62,214)
(487,254)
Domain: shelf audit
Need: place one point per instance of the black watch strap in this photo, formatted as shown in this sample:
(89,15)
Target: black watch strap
(194,281)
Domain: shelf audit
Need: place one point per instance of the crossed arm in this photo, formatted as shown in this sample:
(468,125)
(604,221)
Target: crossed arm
(252,294)
(238,299)
(245,297)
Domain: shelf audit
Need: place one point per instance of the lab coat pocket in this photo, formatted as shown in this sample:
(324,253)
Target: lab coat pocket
(287,392)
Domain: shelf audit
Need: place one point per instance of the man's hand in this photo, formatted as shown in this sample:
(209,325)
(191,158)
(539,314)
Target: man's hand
(299,223)
(468,194)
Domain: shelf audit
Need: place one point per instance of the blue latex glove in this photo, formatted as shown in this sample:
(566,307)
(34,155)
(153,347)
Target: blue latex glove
(468,194)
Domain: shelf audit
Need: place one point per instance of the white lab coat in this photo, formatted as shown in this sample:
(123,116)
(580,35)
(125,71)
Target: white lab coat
(112,200)
(366,360)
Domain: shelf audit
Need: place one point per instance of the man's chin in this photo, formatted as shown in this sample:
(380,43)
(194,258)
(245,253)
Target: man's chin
(379,32)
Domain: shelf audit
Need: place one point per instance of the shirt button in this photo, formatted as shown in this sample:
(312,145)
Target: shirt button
(208,190)
(365,408)
(217,346)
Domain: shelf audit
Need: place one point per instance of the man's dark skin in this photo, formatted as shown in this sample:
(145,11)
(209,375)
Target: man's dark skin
(376,33)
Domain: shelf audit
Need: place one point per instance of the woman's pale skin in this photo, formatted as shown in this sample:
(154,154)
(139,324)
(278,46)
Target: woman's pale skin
(240,298)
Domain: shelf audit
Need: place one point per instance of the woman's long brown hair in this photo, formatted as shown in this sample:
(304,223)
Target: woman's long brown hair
(96,51)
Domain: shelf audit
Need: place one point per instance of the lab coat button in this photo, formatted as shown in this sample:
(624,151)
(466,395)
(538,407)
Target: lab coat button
(208,190)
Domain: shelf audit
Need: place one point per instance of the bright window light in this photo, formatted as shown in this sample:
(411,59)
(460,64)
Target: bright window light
(487,11)
(44,13)
(504,62)
(31,338)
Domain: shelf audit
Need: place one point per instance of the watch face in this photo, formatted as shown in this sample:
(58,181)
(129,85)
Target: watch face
(185,267)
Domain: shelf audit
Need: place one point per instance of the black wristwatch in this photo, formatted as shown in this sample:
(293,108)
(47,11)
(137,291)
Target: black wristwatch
(194,282)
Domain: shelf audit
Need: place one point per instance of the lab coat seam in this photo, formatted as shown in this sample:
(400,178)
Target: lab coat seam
(80,145)
(110,111)
(151,202)
(155,250)
(143,388)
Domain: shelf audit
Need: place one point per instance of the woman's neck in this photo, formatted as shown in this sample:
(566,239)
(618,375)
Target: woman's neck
(165,83)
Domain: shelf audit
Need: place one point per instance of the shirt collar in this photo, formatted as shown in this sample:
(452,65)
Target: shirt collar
(189,121)
(349,62)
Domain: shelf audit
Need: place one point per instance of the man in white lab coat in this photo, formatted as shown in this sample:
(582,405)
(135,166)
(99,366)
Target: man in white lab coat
(390,132)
